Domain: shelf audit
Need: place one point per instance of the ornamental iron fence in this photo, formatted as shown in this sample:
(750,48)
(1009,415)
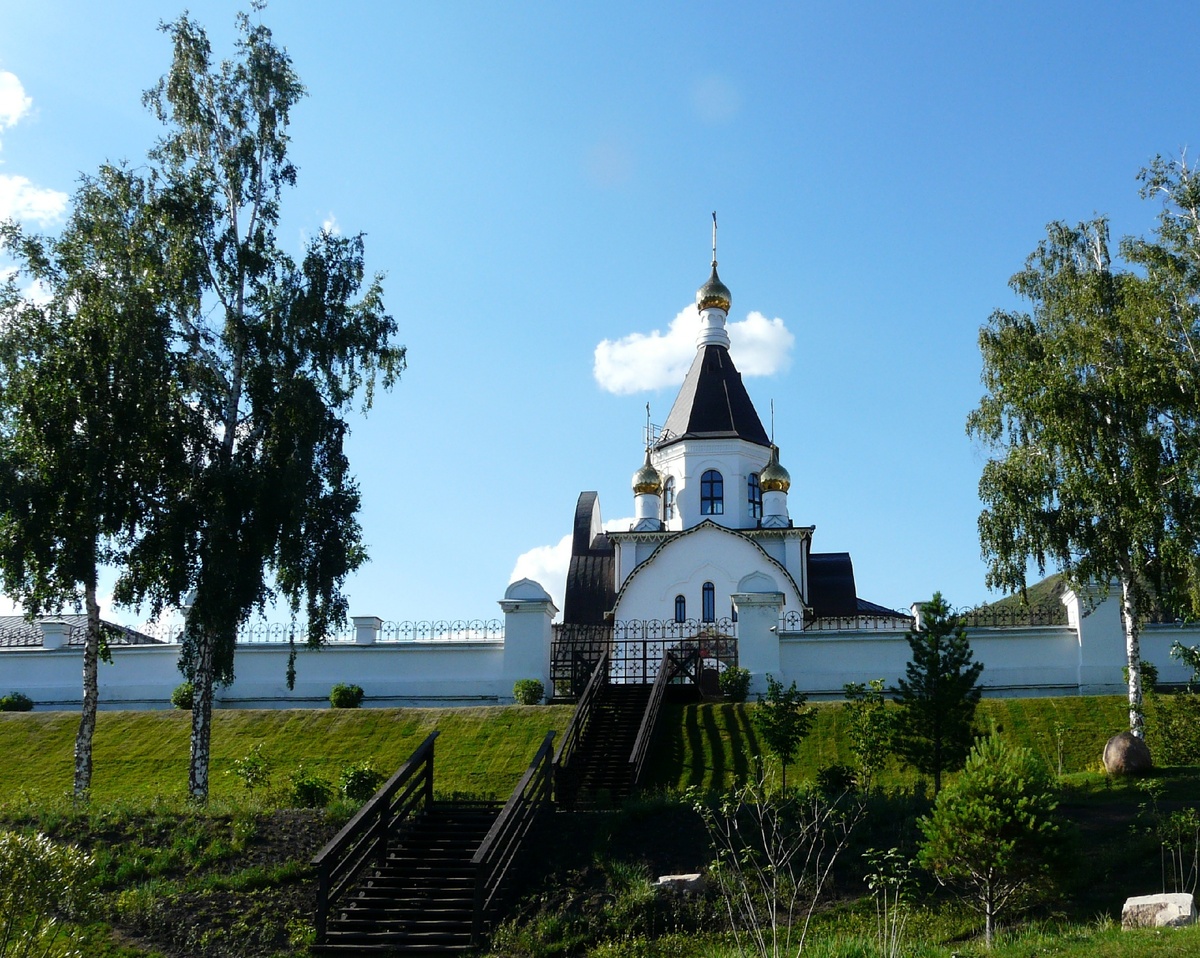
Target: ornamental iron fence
(636,649)
(396,633)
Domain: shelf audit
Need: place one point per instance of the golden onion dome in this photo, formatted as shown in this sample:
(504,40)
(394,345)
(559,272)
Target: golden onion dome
(714,293)
(774,478)
(647,481)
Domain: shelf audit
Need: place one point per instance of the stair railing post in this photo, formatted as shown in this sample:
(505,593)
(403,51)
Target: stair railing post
(322,902)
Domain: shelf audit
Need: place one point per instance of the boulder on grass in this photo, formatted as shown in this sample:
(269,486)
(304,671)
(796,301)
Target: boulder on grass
(681,885)
(1126,754)
(1159,911)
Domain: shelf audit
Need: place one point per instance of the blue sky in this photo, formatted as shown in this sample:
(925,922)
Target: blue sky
(536,181)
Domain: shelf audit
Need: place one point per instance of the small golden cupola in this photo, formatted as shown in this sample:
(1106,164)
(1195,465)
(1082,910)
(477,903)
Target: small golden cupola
(714,294)
(647,481)
(774,478)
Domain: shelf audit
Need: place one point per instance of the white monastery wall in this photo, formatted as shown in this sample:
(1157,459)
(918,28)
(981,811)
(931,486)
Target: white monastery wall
(1085,657)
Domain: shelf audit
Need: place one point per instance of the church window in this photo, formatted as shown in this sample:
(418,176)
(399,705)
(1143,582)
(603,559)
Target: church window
(680,609)
(669,501)
(712,494)
(709,595)
(754,496)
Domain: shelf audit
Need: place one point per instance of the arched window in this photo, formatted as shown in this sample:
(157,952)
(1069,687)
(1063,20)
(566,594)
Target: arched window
(709,605)
(712,494)
(680,609)
(669,502)
(754,496)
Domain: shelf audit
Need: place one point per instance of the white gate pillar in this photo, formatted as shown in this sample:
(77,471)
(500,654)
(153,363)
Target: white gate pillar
(758,639)
(528,616)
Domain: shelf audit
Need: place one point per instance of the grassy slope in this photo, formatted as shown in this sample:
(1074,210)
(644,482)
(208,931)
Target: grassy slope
(144,754)
(708,745)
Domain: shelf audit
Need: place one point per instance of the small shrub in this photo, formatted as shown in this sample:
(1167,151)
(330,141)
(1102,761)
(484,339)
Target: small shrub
(43,882)
(1175,728)
(183,695)
(16,702)
(309,790)
(360,781)
(343,696)
(835,780)
(254,768)
(529,692)
(735,683)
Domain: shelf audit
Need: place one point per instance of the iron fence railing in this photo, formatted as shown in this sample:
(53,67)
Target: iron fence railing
(280,633)
(635,648)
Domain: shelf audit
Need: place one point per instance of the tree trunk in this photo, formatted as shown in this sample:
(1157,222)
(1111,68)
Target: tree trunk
(989,917)
(91,695)
(1133,656)
(202,699)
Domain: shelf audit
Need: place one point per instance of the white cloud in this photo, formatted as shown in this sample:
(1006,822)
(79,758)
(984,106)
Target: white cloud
(546,565)
(642,361)
(14,104)
(331,226)
(21,200)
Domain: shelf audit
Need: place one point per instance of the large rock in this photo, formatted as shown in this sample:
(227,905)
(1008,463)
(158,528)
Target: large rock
(1159,911)
(1126,754)
(681,885)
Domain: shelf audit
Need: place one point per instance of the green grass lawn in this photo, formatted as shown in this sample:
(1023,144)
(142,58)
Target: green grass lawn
(712,745)
(144,755)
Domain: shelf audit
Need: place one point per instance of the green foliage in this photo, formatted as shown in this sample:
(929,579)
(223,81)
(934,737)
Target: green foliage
(1174,728)
(775,852)
(889,878)
(16,702)
(309,790)
(182,695)
(993,831)
(343,696)
(253,769)
(43,882)
(1093,411)
(870,725)
(1189,656)
(938,695)
(834,781)
(360,780)
(782,719)
(734,683)
(529,691)
(1149,675)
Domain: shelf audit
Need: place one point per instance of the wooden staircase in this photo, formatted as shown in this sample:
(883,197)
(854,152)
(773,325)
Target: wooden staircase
(409,875)
(605,772)
(422,899)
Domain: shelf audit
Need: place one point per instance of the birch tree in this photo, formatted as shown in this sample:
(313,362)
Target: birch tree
(278,353)
(1091,413)
(92,432)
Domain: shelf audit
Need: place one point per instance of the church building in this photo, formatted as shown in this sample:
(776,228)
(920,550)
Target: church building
(713,531)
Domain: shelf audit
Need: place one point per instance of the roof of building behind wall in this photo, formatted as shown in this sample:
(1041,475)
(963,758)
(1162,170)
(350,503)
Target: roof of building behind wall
(713,404)
(18,632)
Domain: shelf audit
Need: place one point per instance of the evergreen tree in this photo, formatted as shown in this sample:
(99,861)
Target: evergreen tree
(937,698)
(993,831)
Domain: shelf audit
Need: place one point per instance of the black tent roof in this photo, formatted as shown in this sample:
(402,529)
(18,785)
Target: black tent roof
(712,403)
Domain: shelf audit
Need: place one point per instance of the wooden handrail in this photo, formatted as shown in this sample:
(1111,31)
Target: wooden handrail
(500,846)
(641,745)
(364,839)
(583,712)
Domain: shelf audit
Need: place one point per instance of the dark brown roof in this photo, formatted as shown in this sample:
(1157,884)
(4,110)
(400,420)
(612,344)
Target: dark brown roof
(831,592)
(712,403)
(18,632)
(591,576)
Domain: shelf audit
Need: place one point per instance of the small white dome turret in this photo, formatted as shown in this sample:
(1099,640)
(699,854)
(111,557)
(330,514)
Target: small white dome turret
(775,483)
(647,497)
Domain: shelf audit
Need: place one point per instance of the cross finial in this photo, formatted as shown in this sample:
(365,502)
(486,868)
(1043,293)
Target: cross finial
(714,238)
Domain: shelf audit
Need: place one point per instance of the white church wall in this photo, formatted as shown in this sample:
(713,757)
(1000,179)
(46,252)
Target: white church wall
(734,459)
(727,558)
